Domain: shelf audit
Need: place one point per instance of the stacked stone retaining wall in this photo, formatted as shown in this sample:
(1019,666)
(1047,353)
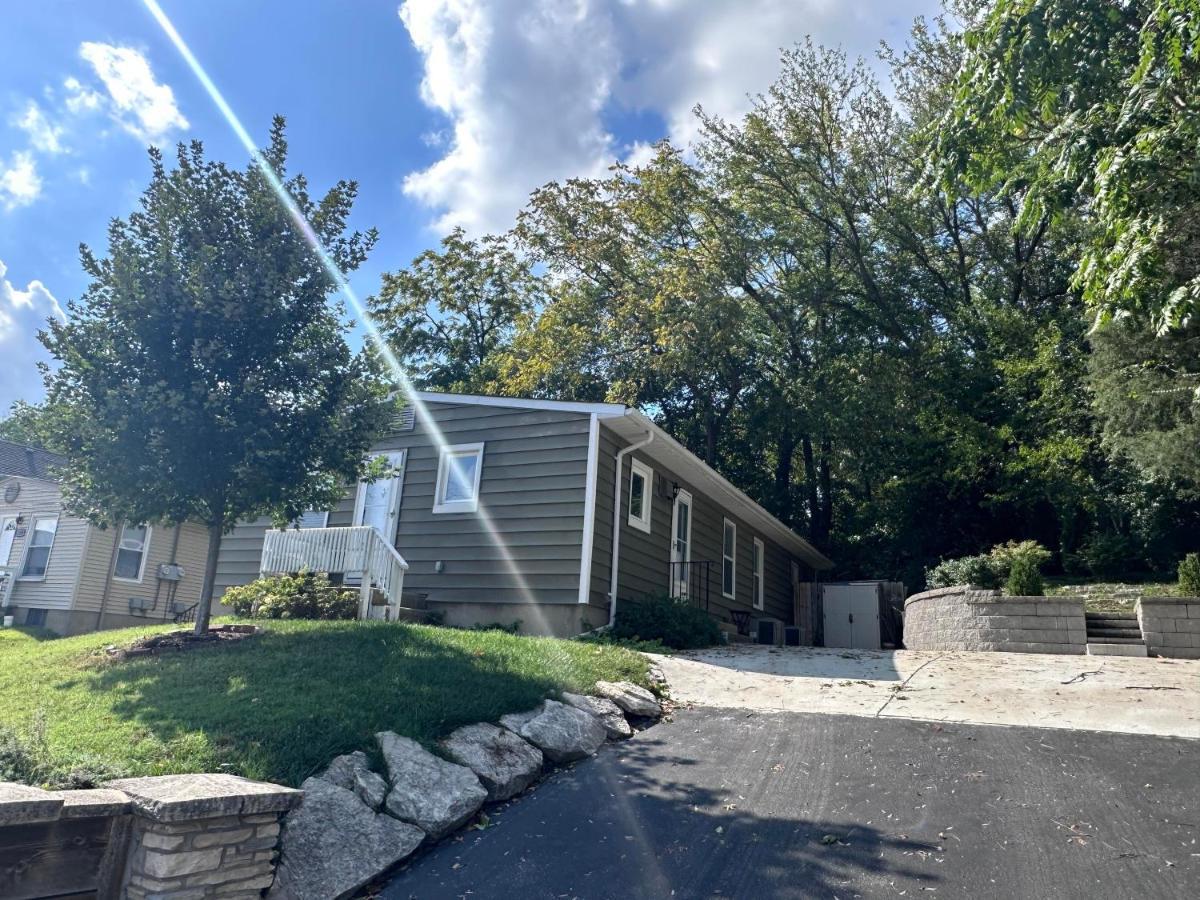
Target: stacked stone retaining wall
(1171,626)
(966,618)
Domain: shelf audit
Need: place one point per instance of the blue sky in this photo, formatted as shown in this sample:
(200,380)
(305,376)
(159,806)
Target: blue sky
(445,111)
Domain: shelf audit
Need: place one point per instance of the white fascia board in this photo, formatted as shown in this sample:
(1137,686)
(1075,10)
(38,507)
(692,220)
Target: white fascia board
(603,410)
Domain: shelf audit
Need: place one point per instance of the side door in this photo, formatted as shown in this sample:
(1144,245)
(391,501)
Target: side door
(681,544)
(838,615)
(378,503)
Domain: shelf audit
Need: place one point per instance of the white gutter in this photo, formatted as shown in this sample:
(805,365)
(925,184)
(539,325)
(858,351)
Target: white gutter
(619,458)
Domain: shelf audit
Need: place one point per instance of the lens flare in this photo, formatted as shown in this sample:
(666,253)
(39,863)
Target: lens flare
(394,368)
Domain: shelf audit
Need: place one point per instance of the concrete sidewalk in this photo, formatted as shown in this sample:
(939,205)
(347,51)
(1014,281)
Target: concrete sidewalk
(1118,694)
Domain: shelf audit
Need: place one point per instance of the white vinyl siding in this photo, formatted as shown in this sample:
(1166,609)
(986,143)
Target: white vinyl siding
(459,471)
(729,560)
(41,544)
(641,490)
(759,556)
(132,549)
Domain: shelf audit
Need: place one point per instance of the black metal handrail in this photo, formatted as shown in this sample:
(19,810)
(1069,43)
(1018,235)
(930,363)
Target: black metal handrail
(691,581)
(187,615)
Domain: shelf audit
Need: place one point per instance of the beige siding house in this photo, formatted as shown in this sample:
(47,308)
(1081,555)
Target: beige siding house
(62,573)
(503,509)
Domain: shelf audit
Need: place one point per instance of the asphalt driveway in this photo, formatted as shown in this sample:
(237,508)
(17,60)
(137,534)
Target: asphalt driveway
(746,804)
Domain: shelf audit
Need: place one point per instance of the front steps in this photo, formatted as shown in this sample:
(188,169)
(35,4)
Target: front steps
(1114,634)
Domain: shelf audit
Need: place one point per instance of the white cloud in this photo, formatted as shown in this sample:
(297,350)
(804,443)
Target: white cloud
(20,183)
(22,314)
(527,88)
(140,104)
(80,97)
(44,135)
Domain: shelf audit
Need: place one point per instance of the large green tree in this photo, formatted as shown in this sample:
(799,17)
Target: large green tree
(204,374)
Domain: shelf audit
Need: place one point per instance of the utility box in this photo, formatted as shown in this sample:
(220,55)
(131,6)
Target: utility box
(170,572)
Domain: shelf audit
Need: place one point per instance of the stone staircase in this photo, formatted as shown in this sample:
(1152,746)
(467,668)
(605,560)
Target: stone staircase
(1114,634)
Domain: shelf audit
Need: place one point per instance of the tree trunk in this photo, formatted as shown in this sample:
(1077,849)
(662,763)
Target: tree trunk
(810,487)
(783,477)
(826,494)
(204,610)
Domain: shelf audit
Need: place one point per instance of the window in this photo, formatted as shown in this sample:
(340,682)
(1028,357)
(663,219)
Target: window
(729,560)
(758,574)
(458,479)
(641,484)
(41,542)
(312,518)
(131,552)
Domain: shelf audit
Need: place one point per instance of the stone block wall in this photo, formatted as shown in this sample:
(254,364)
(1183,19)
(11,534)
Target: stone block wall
(966,618)
(182,837)
(1170,626)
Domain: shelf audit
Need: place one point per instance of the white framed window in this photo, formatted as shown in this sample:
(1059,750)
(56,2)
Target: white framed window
(729,560)
(312,518)
(37,552)
(459,468)
(132,550)
(759,554)
(641,488)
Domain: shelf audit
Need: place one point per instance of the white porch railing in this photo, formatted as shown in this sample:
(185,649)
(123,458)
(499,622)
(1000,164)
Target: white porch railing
(8,576)
(359,552)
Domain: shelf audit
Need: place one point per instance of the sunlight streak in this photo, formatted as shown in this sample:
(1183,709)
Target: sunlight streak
(339,279)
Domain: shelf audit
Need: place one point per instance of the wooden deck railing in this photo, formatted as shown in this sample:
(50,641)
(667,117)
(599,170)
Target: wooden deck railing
(358,552)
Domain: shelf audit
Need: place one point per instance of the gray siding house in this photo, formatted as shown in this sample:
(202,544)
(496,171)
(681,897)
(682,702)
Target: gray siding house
(61,572)
(506,509)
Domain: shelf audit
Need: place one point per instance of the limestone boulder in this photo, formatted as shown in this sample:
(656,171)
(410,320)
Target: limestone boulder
(563,733)
(616,726)
(352,771)
(334,843)
(435,795)
(635,700)
(505,763)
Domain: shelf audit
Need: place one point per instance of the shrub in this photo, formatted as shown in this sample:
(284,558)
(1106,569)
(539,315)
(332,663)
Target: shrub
(25,758)
(307,595)
(1109,555)
(979,571)
(673,622)
(1003,556)
(1024,580)
(1189,575)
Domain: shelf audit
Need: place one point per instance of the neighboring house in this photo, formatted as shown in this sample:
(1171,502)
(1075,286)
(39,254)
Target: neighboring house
(503,510)
(61,572)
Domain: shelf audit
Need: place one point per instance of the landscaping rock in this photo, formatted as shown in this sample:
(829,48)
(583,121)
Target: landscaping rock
(352,771)
(635,700)
(562,732)
(505,763)
(436,795)
(516,721)
(609,714)
(334,844)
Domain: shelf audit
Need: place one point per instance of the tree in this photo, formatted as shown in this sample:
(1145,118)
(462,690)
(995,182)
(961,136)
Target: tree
(27,423)
(204,374)
(450,313)
(1092,106)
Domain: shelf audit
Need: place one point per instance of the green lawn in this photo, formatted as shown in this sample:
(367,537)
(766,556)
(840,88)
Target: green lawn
(1106,595)
(279,706)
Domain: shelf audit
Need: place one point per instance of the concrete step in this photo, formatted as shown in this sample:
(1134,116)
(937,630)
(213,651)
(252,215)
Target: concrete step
(1135,633)
(1115,639)
(1111,617)
(1122,649)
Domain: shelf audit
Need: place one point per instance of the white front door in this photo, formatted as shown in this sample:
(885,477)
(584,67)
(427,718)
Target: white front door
(681,544)
(378,503)
(8,532)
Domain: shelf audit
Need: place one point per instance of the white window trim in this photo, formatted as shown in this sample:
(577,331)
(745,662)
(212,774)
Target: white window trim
(647,473)
(732,560)
(29,546)
(141,565)
(457,506)
(760,575)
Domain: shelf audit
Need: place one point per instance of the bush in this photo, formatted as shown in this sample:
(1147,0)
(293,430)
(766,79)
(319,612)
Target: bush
(25,758)
(673,622)
(1004,556)
(1109,555)
(1189,575)
(1024,580)
(979,571)
(307,595)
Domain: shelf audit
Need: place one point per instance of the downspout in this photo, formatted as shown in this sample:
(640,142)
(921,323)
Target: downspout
(619,458)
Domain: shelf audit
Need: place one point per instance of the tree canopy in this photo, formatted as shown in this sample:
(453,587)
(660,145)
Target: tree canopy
(204,374)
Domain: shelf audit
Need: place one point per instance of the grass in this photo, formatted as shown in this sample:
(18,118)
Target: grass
(1102,595)
(279,706)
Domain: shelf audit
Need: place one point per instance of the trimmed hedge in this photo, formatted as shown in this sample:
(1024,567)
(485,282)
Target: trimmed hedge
(674,623)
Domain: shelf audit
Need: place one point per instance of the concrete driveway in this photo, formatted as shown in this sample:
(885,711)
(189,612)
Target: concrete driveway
(1096,693)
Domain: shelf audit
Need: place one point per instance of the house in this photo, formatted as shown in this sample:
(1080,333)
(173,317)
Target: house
(61,572)
(546,512)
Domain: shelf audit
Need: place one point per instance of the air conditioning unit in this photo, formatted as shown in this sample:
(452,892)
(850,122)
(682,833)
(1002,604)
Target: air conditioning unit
(768,631)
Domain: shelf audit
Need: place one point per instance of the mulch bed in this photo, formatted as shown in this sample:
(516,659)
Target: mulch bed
(183,640)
